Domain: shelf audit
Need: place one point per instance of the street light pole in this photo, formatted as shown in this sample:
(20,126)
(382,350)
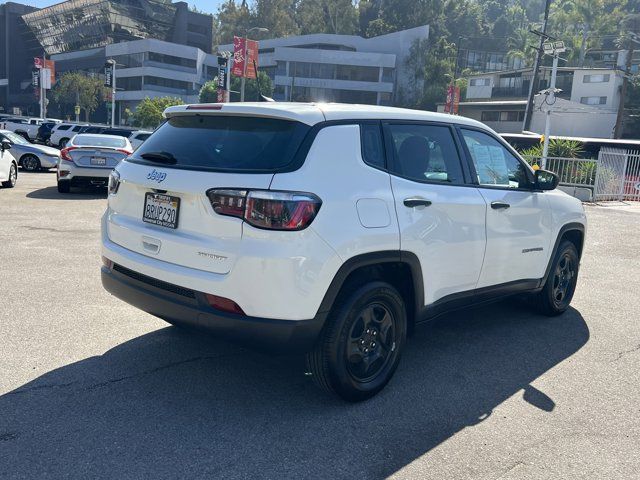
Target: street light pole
(113,93)
(552,100)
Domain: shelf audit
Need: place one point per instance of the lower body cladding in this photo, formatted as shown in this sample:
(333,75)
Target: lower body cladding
(182,306)
(278,299)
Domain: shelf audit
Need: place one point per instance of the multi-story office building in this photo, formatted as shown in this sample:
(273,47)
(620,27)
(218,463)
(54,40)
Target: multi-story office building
(18,46)
(84,32)
(586,106)
(146,68)
(342,68)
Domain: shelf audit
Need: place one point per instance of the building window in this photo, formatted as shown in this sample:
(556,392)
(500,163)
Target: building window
(129,83)
(505,116)
(489,116)
(599,78)
(511,116)
(171,60)
(593,100)
(480,82)
(166,82)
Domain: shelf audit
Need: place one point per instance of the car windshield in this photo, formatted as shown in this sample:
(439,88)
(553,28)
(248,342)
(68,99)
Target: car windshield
(224,143)
(14,138)
(99,141)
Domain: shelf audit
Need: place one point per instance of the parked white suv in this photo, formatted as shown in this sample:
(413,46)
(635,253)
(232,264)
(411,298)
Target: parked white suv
(332,229)
(62,133)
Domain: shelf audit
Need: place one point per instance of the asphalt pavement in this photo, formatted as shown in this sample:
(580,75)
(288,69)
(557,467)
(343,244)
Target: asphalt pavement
(93,388)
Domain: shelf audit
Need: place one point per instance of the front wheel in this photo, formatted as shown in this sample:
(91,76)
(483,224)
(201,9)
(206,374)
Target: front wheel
(13,177)
(560,286)
(31,163)
(359,348)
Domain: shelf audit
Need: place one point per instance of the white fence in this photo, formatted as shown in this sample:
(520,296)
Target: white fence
(615,175)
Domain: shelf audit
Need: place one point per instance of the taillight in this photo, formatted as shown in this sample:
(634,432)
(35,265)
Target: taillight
(126,151)
(114,182)
(64,154)
(272,210)
(224,304)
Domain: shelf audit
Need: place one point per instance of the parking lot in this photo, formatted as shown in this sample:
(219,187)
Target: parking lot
(91,387)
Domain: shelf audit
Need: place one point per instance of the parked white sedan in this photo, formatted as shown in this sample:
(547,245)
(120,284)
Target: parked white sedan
(31,157)
(8,166)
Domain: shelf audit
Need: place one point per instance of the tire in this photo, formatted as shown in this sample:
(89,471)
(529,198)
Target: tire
(557,293)
(360,346)
(13,177)
(63,142)
(30,163)
(64,186)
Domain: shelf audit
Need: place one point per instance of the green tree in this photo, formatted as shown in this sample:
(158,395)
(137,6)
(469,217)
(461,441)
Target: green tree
(209,91)
(148,113)
(232,19)
(327,16)
(76,88)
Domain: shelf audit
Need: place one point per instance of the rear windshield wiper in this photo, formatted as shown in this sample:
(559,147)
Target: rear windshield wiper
(162,157)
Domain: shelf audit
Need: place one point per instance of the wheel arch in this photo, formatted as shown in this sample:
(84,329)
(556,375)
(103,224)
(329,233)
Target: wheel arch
(573,232)
(400,269)
(27,154)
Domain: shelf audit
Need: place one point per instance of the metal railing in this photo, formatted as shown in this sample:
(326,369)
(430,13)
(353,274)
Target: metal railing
(614,175)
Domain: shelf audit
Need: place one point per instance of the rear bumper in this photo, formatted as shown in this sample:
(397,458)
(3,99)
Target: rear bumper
(179,305)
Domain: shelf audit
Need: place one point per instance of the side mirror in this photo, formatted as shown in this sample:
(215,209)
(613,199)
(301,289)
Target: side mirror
(546,180)
(5,145)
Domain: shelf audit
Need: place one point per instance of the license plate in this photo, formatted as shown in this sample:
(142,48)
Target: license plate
(160,209)
(98,161)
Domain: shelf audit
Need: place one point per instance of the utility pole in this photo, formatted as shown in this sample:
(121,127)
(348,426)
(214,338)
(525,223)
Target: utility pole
(43,92)
(617,131)
(530,101)
(555,49)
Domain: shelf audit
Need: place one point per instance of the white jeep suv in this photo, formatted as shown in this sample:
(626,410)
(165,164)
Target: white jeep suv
(332,229)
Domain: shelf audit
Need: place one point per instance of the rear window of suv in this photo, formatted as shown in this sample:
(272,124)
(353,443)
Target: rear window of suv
(224,143)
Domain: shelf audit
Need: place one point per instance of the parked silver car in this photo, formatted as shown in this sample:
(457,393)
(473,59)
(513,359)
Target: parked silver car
(31,157)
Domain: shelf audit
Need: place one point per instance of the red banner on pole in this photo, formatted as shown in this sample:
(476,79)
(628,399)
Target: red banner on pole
(239,56)
(251,56)
(453,100)
(456,100)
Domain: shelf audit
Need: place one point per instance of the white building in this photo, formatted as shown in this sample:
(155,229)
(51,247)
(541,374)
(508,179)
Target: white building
(587,106)
(146,68)
(340,68)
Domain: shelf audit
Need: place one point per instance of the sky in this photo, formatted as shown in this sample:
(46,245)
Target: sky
(208,6)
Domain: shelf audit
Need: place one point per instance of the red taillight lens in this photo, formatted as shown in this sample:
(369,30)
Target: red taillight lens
(224,304)
(125,151)
(281,210)
(272,210)
(228,202)
(64,154)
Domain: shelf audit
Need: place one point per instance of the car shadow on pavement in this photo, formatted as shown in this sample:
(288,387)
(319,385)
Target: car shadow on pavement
(172,404)
(51,193)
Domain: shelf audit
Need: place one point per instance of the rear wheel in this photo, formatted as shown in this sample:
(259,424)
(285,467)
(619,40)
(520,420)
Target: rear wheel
(558,290)
(30,163)
(13,177)
(359,348)
(63,142)
(64,186)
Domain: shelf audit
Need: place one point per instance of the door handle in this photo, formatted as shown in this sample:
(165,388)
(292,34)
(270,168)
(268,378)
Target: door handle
(499,205)
(416,202)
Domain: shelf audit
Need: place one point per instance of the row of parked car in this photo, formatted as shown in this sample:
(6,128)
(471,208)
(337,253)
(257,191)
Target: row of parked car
(83,154)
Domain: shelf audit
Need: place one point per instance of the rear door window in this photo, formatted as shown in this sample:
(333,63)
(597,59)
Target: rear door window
(424,153)
(224,143)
